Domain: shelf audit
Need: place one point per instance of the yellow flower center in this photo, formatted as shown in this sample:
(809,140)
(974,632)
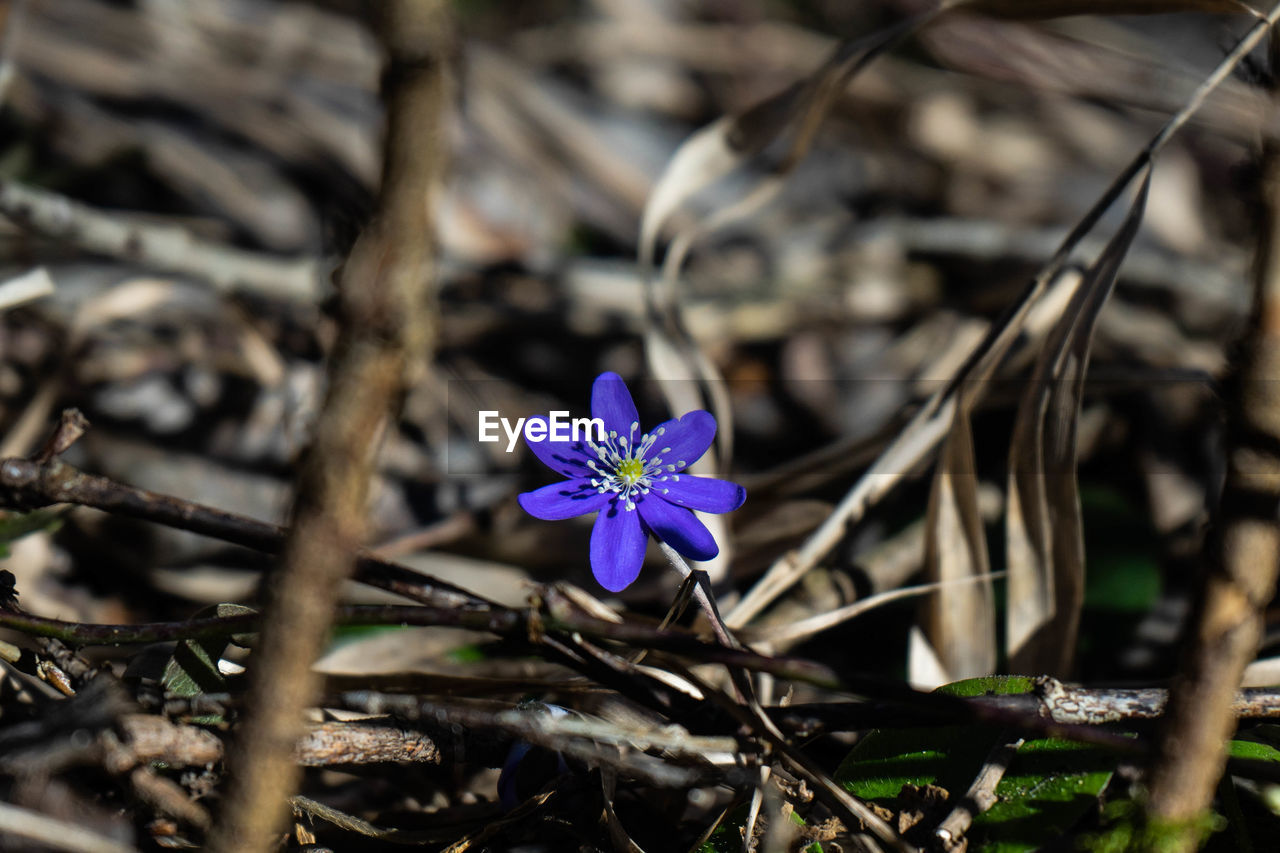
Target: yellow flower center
(630,468)
(630,471)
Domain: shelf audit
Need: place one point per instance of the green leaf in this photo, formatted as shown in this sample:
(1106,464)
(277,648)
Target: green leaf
(193,668)
(887,759)
(345,635)
(471,653)
(15,525)
(1253,749)
(1125,828)
(1123,577)
(1124,584)
(1049,785)
(990,685)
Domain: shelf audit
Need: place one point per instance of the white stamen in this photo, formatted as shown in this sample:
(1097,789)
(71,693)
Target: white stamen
(625,466)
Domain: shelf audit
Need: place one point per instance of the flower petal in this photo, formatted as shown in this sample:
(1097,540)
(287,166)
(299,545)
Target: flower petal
(566,458)
(617,547)
(528,768)
(559,501)
(678,527)
(611,402)
(687,437)
(507,792)
(703,493)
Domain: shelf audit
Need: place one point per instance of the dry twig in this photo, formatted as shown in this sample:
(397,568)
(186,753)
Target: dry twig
(49,832)
(27,484)
(166,247)
(384,335)
(980,796)
(1240,578)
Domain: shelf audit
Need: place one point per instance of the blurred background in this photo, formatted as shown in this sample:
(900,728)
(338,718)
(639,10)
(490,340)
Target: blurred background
(946,174)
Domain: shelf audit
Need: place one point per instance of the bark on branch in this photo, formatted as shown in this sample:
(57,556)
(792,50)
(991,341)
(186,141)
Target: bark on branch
(1240,576)
(383,340)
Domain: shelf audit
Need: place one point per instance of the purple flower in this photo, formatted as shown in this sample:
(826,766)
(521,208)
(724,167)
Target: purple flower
(529,768)
(634,481)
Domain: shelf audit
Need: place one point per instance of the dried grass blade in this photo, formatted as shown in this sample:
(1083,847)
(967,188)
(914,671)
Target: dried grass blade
(928,425)
(788,121)
(753,811)
(1044,532)
(1032,9)
(24,288)
(785,636)
(958,619)
(730,142)
(50,832)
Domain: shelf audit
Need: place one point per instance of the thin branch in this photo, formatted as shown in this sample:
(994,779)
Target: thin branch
(701,591)
(148,738)
(168,797)
(980,796)
(27,484)
(42,829)
(165,247)
(383,344)
(312,809)
(1055,709)
(853,811)
(597,743)
(1240,578)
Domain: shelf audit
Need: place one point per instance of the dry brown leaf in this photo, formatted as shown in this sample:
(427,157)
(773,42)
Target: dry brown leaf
(959,619)
(1044,531)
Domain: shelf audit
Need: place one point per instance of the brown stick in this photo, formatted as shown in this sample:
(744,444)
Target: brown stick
(27,484)
(166,247)
(1240,578)
(148,738)
(384,333)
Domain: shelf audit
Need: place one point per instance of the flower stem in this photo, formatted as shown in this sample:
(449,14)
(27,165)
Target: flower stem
(702,591)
